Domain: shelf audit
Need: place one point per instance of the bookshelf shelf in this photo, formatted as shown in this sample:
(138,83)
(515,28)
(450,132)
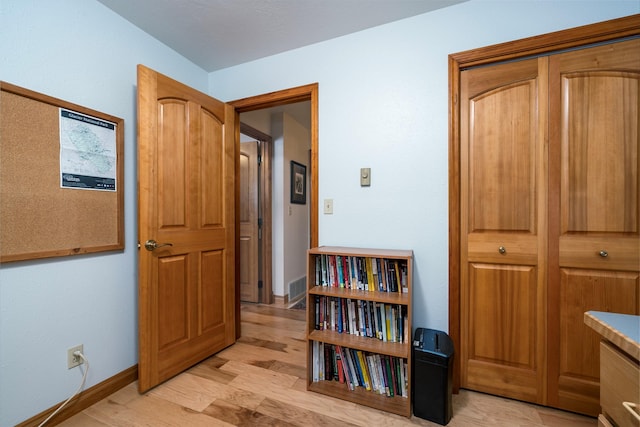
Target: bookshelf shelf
(372,282)
(384,297)
(360,343)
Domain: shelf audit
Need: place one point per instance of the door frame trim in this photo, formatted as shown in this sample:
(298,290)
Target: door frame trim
(538,45)
(273,99)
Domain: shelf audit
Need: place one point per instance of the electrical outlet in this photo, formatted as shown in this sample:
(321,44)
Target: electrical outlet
(72,359)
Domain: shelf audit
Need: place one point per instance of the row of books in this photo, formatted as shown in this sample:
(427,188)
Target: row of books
(379,373)
(386,322)
(361,273)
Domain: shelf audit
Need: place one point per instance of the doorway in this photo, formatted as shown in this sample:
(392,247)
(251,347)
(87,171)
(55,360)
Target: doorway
(280,99)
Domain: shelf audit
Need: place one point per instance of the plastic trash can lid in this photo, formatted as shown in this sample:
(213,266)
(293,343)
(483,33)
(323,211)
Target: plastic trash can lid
(433,341)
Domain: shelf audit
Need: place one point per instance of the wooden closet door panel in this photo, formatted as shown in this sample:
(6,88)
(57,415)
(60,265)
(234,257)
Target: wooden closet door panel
(503,229)
(503,307)
(579,365)
(595,203)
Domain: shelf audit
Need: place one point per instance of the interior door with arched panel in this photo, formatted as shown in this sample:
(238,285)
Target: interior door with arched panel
(503,229)
(595,209)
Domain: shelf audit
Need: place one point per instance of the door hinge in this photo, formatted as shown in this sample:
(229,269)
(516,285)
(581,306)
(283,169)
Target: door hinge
(259,284)
(259,159)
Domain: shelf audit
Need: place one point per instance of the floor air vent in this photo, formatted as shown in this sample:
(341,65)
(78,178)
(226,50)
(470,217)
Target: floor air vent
(297,289)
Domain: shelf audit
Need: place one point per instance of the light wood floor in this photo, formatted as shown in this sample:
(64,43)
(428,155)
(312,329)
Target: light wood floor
(260,381)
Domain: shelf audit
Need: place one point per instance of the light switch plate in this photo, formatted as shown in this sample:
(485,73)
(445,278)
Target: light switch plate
(328,206)
(365,177)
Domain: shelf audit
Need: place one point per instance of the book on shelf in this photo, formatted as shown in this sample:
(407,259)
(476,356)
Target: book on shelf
(361,273)
(372,319)
(378,373)
(339,367)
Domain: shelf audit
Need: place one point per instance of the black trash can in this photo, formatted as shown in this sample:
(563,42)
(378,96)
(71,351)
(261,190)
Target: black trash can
(432,378)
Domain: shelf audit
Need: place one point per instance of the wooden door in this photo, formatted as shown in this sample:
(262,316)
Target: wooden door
(595,210)
(503,229)
(186,195)
(249,229)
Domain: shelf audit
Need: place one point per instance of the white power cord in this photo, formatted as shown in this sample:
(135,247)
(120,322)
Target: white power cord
(84,378)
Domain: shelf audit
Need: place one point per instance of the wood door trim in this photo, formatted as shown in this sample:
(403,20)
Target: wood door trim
(290,96)
(537,45)
(550,42)
(273,99)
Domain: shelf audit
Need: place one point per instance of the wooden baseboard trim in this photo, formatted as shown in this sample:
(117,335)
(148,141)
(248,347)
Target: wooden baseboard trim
(85,398)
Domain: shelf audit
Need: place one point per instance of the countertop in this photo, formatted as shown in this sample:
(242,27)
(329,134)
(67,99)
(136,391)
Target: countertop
(623,330)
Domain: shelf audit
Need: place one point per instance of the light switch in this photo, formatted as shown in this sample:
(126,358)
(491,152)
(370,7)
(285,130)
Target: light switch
(328,206)
(365,177)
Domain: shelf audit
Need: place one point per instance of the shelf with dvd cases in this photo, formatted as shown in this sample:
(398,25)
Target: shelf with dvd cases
(359,326)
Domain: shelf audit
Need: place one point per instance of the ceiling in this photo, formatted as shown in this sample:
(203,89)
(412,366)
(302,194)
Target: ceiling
(217,34)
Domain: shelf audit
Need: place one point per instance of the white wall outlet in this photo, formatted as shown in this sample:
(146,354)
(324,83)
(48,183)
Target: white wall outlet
(328,206)
(72,359)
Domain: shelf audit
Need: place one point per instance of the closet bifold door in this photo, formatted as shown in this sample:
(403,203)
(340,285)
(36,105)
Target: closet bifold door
(594,210)
(503,228)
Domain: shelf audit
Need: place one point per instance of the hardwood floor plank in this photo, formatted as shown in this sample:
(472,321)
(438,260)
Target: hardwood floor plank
(189,391)
(297,416)
(126,394)
(84,420)
(261,380)
(197,393)
(242,352)
(147,411)
(478,409)
(274,311)
(239,416)
(262,377)
(551,417)
(268,333)
(284,367)
(258,342)
(213,373)
(275,332)
(274,322)
(273,386)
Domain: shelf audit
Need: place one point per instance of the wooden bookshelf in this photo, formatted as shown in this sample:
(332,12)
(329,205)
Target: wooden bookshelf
(320,286)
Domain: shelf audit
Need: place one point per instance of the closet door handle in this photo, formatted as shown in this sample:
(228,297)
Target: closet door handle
(630,406)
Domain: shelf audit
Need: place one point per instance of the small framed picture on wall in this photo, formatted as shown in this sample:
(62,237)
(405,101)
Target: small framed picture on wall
(298,183)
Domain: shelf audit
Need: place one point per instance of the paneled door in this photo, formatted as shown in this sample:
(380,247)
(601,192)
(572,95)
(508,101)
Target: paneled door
(503,229)
(249,226)
(549,223)
(595,216)
(186,196)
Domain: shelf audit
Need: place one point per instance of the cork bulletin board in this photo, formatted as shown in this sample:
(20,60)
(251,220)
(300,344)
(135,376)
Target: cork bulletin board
(46,208)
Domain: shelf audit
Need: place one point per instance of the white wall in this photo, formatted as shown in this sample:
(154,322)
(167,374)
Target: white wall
(383,105)
(295,217)
(81,52)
